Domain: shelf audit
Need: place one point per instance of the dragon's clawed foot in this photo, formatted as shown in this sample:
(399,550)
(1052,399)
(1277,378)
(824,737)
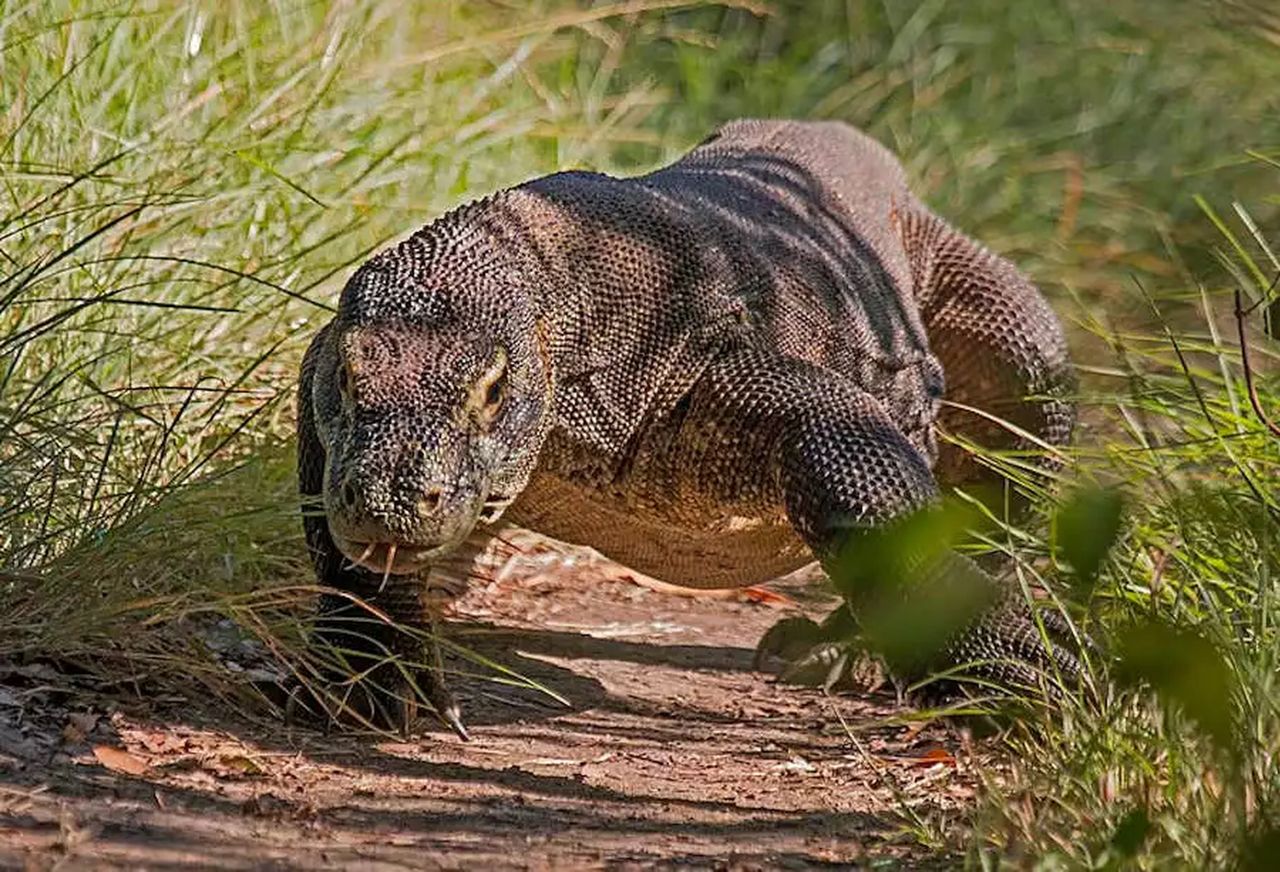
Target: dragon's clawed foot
(380,691)
(1015,649)
(818,655)
(1009,649)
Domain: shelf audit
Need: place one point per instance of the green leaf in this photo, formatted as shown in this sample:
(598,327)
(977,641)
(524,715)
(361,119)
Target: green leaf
(1260,849)
(911,591)
(1187,671)
(1131,832)
(1087,528)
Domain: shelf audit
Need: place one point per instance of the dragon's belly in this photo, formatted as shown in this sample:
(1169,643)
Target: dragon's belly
(693,548)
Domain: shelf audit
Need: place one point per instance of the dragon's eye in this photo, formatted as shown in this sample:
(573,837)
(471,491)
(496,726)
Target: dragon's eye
(491,390)
(497,391)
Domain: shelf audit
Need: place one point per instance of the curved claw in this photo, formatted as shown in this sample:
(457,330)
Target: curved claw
(437,695)
(452,716)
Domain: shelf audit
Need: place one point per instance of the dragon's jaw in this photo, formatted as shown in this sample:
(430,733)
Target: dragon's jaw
(390,557)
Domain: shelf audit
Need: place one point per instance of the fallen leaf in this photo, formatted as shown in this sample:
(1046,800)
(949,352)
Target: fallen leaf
(938,754)
(930,757)
(119,761)
(766,597)
(240,763)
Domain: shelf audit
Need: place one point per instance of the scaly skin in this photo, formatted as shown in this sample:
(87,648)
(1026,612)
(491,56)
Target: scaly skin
(712,374)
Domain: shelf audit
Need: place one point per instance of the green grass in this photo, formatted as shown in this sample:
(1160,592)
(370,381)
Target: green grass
(1178,767)
(183,189)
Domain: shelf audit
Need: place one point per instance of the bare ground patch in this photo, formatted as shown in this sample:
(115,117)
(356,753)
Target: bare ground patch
(674,753)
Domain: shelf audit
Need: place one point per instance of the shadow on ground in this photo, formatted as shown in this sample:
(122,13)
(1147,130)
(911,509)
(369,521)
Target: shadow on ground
(672,753)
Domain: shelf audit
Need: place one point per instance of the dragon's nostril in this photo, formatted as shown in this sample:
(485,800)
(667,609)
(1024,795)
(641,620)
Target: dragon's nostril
(350,499)
(429,501)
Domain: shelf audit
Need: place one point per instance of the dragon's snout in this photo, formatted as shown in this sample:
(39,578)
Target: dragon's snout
(354,502)
(399,529)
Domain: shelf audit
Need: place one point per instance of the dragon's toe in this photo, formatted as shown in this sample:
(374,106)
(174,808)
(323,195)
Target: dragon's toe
(1016,650)
(380,692)
(802,651)
(381,699)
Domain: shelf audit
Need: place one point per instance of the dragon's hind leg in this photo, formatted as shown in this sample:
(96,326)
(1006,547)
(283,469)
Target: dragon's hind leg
(762,426)
(1009,382)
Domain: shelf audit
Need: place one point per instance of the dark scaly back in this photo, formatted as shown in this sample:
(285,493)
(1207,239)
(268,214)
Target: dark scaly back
(772,233)
(805,239)
(904,301)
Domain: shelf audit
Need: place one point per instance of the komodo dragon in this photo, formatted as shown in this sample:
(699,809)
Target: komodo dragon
(712,374)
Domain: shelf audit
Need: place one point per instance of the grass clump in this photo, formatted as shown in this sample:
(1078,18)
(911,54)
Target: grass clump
(1178,767)
(184,191)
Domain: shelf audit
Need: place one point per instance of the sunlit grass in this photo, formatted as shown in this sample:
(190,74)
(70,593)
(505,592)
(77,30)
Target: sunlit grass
(184,190)
(1179,764)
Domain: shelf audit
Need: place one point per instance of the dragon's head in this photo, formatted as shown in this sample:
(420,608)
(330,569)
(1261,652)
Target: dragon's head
(432,397)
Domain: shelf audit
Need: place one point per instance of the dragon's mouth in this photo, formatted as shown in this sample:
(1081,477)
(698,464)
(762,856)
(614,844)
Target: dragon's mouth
(388,558)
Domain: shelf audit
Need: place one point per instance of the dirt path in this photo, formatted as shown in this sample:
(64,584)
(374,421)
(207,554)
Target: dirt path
(674,754)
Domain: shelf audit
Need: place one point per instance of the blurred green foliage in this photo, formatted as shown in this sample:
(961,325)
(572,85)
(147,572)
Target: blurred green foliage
(912,593)
(1068,134)
(1188,671)
(1087,526)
